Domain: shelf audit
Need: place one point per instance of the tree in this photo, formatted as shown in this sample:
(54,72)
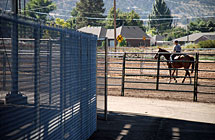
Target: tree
(132,19)
(126,19)
(87,10)
(110,18)
(39,8)
(72,20)
(200,25)
(152,31)
(123,43)
(62,23)
(174,33)
(160,18)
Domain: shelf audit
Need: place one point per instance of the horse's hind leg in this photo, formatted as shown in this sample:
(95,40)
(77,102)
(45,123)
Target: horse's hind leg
(185,76)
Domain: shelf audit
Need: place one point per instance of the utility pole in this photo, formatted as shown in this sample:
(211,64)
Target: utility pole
(115,25)
(15,6)
(24,7)
(187,31)
(20,7)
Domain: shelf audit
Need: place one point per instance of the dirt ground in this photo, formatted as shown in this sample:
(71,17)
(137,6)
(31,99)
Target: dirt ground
(173,96)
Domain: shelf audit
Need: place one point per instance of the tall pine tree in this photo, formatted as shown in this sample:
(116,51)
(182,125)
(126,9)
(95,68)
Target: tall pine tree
(39,8)
(88,10)
(109,24)
(160,18)
(126,19)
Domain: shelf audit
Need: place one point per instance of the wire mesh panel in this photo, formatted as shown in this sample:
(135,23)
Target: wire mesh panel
(47,81)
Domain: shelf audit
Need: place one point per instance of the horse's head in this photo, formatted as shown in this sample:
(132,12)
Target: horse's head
(156,55)
(160,51)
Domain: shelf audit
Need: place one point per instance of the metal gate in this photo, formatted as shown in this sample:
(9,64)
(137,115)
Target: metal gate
(47,81)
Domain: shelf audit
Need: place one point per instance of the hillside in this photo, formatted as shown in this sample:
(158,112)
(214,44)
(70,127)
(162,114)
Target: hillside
(179,8)
(143,7)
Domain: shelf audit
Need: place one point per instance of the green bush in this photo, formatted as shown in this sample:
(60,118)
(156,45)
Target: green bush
(103,43)
(207,44)
(192,46)
(123,43)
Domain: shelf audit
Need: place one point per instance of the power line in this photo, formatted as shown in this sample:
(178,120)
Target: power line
(47,6)
(142,19)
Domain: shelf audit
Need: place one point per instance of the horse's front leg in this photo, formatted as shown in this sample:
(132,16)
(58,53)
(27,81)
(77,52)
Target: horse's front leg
(173,76)
(170,75)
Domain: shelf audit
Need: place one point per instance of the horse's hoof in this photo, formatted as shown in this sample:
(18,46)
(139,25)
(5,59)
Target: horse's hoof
(175,81)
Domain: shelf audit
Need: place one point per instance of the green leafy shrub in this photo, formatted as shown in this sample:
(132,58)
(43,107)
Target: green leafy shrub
(191,46)
(207,44)
(123,43)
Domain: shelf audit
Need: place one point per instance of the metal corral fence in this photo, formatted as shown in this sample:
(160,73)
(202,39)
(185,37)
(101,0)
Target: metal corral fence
(47,81)
(137,72)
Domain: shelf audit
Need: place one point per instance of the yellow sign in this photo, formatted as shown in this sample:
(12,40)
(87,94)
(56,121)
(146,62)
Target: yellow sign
(144,38)
(119,38)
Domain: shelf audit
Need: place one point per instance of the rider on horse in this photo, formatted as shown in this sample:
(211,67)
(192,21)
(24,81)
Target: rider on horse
(176,49)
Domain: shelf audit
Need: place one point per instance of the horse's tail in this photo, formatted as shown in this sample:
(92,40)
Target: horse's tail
(193,63)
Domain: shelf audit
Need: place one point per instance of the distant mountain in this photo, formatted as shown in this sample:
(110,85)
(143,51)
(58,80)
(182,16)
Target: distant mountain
(179,8)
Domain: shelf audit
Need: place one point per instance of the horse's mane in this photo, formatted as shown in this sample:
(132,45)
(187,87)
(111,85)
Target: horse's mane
(163,50)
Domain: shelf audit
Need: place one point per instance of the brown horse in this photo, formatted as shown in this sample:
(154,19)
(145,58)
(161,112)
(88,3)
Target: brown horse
(184,61)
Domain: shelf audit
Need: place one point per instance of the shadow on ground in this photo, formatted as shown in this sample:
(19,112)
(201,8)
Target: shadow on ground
(128,126)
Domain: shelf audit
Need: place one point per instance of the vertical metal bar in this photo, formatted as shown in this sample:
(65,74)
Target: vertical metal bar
(4,72)
(36,77)
(50,71)
(115,43)
(61,82)
(123,75)
(20,7)
(196,78)
(80,83)
(64,69)
(106,77)
(158,72)
(14,73)
(141,67)
(15,6)
(24,6)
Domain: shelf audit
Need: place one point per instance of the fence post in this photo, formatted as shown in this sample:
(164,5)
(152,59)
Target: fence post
(14,58)
(141,65)
(62,83)
(106,76)
(196,78)
(50,70)
(36,78)
(4,72)
(158,72)
(123,75)
(14,97)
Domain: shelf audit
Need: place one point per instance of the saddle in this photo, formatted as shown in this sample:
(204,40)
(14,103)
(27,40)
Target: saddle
(177,57)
